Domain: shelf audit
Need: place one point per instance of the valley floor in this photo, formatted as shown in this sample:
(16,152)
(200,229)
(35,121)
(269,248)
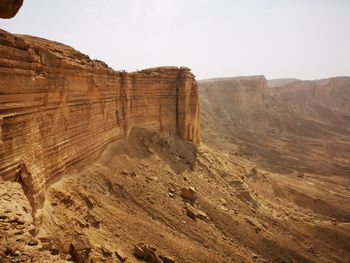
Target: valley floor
(134,194)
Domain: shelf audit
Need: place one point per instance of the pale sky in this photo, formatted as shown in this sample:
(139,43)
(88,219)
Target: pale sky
(305,39)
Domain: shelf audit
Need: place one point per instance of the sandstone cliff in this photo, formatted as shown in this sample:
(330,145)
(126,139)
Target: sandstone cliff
(9,8)
(59,108)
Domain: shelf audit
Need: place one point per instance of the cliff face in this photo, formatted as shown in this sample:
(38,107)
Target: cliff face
(238,92)
(9,8)
(301,125)
(333,93)
(59,108)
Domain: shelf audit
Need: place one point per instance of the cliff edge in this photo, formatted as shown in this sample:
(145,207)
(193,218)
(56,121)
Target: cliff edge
(59,108)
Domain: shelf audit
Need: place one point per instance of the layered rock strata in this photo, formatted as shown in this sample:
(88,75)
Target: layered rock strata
(59,108)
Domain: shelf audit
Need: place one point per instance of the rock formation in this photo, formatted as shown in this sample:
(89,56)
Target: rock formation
(239,92)
(16,228)
(9,8)
(289,127)
(333,93)
(59,108)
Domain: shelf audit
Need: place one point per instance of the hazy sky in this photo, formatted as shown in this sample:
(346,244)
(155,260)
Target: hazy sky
(278,38)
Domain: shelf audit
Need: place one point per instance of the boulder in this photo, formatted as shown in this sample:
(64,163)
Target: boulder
(189,194)
(9,8)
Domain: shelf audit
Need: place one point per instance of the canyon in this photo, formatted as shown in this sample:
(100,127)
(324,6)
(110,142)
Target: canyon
(294,126)
(98,165)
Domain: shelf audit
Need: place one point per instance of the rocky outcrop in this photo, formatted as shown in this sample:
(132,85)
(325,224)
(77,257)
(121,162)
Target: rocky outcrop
(9,8)
(17,240)
(59,108)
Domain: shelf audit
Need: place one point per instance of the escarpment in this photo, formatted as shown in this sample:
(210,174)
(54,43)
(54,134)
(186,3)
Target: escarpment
(238,92)
(288,126)
(333,93)
(59,108)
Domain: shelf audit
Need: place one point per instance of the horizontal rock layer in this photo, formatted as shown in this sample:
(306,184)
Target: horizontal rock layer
(59,108)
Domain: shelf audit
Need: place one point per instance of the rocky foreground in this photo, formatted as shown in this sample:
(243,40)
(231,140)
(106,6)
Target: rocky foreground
(154,198)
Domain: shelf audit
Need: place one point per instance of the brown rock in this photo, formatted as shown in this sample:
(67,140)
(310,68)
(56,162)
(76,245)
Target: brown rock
(147,253)
(9,8)
(139,251)
(121,255)
(201,215)
(195,213)
(191,211)
(106,251)
(189,194)
(80,249)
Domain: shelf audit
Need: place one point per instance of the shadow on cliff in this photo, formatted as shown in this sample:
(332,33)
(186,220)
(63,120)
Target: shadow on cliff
(142,144)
